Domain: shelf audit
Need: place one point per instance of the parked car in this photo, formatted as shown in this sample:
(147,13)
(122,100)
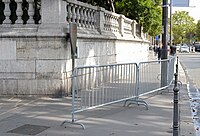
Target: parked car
(178,47)
(184,48)
(197,46)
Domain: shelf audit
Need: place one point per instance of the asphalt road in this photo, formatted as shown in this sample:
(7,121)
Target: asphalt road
(191,65)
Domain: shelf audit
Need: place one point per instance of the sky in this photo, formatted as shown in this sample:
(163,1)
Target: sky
(193,9)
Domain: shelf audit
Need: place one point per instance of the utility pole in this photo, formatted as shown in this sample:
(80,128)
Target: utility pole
(171,22)
(164,54)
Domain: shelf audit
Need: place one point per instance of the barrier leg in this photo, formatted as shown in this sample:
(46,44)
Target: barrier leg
(73,122)
(136,101)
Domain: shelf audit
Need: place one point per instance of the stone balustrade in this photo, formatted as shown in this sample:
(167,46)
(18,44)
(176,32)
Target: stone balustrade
(111,21)
(50,14)
(93,17)
(81,13)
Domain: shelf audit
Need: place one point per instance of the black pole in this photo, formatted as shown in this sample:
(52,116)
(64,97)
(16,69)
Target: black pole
(170,37)
(165,29)
(176,112)
(176,106)
(164,54)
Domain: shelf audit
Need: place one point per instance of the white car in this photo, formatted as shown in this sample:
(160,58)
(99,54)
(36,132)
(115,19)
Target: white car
(184,48)
(178,47)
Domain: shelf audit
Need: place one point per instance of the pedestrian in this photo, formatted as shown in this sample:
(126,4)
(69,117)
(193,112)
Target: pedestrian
(159,51)
(155,50)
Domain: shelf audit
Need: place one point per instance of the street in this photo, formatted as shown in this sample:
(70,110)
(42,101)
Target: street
(191,64)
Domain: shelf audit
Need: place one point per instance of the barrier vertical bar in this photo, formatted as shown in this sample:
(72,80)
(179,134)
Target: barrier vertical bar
(136,99)
(73,99)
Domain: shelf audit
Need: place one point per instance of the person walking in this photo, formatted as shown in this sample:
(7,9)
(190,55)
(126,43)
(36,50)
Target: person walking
(159,51)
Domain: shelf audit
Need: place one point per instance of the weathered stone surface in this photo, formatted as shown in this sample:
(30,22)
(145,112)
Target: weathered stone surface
(8,86)
(45,49)
(7,49)
(16,75)
(10,66)
(44,66)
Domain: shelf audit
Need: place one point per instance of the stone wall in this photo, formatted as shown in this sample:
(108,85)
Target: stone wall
(33,66)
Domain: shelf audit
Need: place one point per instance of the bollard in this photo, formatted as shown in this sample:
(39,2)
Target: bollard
(176,113)
(177,66)
(176,106)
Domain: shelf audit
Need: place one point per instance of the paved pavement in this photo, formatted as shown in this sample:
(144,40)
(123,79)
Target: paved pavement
(25,116)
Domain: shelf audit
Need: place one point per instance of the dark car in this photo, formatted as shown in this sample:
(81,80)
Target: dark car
(197,46)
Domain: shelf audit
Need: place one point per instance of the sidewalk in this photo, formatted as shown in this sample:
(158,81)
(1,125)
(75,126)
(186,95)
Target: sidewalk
(43,116)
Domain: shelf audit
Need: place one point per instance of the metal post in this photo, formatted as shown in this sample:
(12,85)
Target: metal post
(164,54)
(176,106)
(171,22)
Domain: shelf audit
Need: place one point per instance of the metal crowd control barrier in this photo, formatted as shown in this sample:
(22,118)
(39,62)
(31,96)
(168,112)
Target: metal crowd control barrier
(150,75)
(96,86)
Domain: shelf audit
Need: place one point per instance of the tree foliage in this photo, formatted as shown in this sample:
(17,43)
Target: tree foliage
(147,13)
(198,31)
(107,4)
(183,27)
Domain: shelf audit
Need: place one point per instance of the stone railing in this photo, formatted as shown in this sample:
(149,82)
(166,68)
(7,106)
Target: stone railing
(57,14)
(81,13)
(93,17)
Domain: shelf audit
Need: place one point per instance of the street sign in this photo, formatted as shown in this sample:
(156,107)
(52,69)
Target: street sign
(73,37)
(180,3)
(157,38)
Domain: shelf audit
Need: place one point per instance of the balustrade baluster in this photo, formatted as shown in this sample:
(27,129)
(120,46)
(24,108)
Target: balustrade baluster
(31,11)
(133,28)
(37,12)
(78,15)
(85,17)
(89,18)
(81,17)
(109,22)
(19,12)
(105,23)
(7,11)
(66,8)
(116,24)
(73,13)
(2,8)
(92,19)
(69,13)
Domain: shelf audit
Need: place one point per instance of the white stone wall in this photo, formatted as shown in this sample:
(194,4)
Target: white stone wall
(43,65)
(95,52)
(131,51)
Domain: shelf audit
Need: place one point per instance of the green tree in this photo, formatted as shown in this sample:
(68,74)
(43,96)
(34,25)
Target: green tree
(147,13)
(183,27)
(107,4)
(198,31)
